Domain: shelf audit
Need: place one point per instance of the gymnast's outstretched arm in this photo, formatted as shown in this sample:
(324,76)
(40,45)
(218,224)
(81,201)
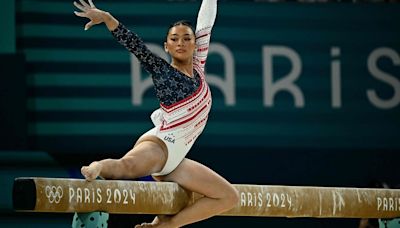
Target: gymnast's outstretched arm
(205,22)
(207,14)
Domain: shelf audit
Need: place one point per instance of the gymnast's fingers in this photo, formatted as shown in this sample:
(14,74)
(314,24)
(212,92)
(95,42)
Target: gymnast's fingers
(91,4)
(84,4)
(80,14)
(79,6)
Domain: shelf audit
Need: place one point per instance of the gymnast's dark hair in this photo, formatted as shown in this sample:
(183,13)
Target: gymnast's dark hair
(180,22)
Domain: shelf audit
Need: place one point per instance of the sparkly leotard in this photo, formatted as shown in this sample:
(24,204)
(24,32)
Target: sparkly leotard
(184,101)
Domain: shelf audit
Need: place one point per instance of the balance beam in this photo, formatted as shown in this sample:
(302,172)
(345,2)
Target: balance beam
(32,194)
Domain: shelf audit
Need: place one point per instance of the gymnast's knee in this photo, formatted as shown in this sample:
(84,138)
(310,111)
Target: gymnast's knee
(231,197)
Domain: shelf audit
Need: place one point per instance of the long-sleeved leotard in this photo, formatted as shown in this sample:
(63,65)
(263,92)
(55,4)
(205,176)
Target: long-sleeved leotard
(184,101)
(170,84)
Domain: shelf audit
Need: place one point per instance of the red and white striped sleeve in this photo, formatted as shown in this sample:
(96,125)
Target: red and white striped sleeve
(205,21)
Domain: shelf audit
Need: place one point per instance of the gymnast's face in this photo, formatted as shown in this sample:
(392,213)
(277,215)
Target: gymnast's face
(180,43)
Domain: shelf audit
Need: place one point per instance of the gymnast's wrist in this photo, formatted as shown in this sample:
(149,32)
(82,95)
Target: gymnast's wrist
(106,16)
(109,20)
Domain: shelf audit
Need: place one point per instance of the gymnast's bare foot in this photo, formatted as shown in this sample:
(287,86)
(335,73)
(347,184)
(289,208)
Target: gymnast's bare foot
(160,221)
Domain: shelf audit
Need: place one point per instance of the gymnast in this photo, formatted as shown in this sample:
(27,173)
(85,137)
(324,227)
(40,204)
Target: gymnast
(185,102)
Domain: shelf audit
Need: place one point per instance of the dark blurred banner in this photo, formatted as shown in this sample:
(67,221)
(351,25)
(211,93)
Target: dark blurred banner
(283,75)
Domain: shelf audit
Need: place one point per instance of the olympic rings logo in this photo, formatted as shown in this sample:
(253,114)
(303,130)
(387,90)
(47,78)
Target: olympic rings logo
(54,194)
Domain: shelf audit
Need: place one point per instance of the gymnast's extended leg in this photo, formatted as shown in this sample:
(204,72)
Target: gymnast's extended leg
(147,156)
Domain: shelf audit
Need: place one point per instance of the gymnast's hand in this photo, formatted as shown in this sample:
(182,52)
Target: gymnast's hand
(90,11)
(92,171)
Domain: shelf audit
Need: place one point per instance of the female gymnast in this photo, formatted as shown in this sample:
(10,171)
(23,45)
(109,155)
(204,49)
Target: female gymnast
(185,101)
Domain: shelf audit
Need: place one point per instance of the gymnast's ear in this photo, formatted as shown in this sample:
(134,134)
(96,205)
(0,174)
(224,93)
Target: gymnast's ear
(165,47)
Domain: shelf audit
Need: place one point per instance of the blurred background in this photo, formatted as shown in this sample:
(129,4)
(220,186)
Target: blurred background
(304,93)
